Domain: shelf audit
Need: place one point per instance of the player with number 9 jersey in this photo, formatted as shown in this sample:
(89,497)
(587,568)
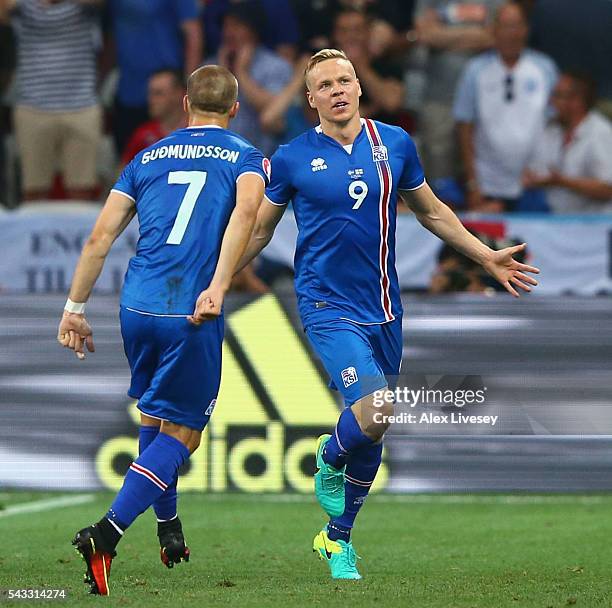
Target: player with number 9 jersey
(345,205)
(184,188)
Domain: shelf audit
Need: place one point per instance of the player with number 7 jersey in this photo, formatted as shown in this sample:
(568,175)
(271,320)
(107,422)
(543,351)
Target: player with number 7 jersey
(184,188)
(196,194)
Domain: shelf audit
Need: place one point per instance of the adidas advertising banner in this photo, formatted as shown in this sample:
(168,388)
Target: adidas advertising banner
(494,394)
(574,253)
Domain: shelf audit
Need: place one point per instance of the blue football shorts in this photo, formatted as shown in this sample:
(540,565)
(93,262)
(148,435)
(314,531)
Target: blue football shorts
(360,359)
(176,366)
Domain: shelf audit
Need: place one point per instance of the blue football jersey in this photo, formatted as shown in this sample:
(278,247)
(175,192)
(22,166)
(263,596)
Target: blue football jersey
(345,206)
(184,187)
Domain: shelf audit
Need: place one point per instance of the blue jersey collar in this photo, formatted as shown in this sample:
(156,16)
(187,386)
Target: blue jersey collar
(319,130)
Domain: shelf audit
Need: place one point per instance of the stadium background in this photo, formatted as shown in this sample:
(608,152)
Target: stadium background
(544,359)
(516,514)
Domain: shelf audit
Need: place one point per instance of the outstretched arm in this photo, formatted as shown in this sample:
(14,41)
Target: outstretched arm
(439,219)
(249,192)
(74,331)
(267,219)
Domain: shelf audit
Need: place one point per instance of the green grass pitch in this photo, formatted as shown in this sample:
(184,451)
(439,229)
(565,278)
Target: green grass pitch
(423,551)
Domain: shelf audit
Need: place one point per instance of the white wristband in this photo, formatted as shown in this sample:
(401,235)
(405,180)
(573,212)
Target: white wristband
(75,307)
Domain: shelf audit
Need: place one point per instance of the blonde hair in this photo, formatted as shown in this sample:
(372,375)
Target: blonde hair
(323,55)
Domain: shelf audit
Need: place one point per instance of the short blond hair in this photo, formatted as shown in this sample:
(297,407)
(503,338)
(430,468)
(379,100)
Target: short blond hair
(212,89)
(323,55)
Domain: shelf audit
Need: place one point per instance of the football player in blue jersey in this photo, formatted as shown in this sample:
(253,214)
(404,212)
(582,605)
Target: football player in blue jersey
(344,178)
(196,194)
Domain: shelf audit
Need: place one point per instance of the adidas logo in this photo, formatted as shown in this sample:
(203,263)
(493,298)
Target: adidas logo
(263,433)
(318,164)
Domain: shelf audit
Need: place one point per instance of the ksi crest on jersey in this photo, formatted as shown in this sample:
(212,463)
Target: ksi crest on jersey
(379,154)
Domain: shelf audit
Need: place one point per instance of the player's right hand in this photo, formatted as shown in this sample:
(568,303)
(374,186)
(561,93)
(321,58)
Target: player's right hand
(208,306)
(74,332)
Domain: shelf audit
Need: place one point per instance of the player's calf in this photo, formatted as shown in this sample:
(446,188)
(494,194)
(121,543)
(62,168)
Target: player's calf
(372,418)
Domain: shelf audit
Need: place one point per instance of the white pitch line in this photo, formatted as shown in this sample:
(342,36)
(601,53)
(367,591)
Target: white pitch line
(47,504)
(503,499)
(433,499)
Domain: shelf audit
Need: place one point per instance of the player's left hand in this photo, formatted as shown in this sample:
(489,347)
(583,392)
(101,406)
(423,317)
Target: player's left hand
(74,332)
(505,269)
(208,306)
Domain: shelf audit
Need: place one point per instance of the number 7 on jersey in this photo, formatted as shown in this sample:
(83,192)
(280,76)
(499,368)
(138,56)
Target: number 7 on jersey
(196,181)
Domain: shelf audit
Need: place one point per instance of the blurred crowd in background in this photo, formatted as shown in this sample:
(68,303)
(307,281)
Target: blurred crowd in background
(509,102)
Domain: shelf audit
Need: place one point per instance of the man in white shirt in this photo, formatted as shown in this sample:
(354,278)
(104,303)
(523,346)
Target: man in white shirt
(573,159)
(500,109)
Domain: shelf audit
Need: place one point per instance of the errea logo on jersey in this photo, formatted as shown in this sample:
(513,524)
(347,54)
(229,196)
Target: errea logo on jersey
(318,164)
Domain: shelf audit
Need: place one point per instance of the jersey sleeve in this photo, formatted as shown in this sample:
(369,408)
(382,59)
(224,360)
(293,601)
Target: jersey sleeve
(412,175)
(126,183)
(280,190)
(255,162)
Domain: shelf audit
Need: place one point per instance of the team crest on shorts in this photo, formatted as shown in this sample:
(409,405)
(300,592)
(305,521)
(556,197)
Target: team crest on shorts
(210,408)
(349,376)
(379,153)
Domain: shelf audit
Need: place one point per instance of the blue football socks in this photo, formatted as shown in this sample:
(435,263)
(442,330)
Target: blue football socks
(165,505)
(147,479)
(347,437)
(361,470)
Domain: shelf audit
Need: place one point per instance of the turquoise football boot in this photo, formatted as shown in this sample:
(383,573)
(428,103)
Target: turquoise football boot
(339,555)
(329,483)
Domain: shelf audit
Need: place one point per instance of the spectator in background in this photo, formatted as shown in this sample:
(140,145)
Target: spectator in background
(289,114)
(7,66)
(150,35)
(500,109)
(577,36)
(282,40)
(380,80)
(391,24)
(261,73)
(391,20)
(315,18)
(452,31)
(457,273)
(573,160)
(165,92)
(57,119)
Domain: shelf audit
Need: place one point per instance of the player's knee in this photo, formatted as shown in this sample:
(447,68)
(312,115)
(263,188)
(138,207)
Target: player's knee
(149,421)
(374,420)
(379,421)
(194,442)
(190,438)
